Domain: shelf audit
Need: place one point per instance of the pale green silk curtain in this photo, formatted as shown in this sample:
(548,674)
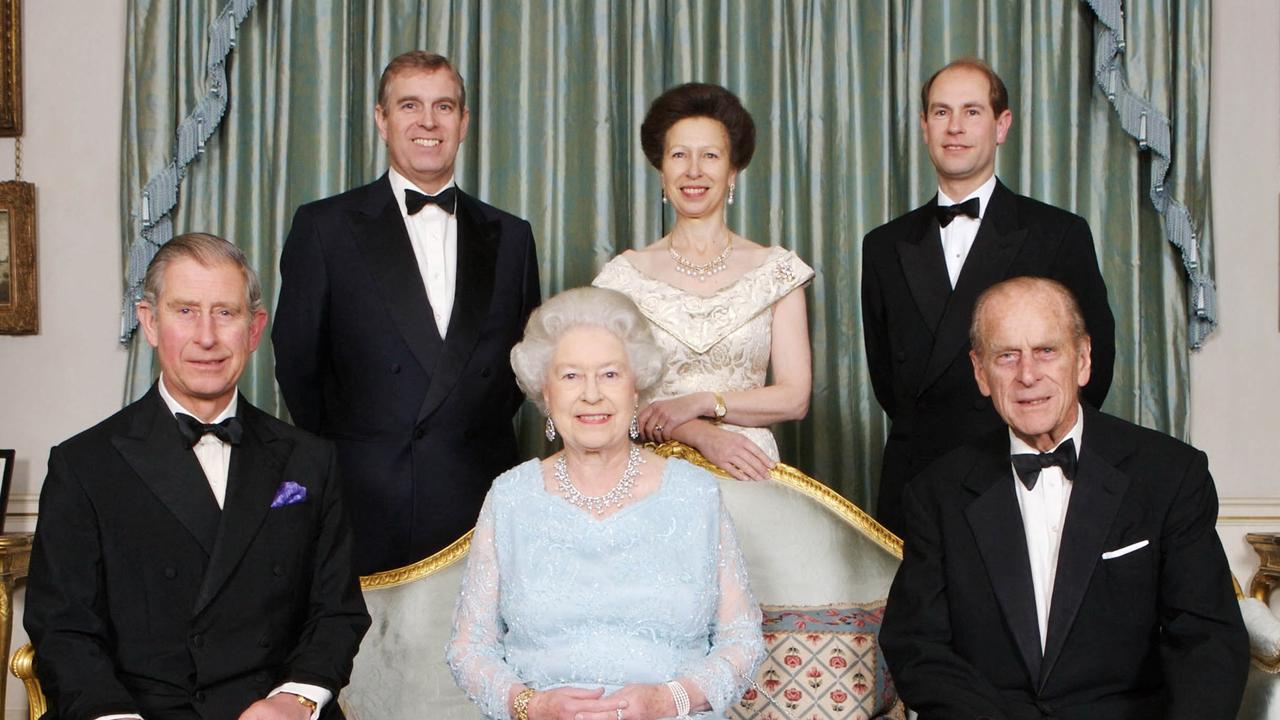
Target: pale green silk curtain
(557,90)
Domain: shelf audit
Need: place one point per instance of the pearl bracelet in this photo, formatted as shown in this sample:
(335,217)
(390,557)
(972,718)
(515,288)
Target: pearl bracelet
(681,697)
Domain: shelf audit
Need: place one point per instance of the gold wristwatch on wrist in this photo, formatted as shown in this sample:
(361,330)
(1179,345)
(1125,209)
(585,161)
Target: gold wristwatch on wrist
(306,702)
(521,703)
(720,409)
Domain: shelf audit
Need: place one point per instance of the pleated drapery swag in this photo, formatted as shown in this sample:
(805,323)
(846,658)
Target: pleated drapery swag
(557,90)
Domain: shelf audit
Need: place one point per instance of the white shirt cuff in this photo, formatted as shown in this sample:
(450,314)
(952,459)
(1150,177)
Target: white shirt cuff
(314,693)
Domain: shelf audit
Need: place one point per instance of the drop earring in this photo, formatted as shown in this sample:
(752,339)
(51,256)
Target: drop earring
(634,430)
(551,430)
(664,196)
(731,187)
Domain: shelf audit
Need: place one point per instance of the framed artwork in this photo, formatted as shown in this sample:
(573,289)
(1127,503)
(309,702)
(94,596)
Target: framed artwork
(6,475)
(10,68)
(18,299)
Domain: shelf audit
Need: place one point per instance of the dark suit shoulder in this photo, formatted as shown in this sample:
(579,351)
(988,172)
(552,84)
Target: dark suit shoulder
(119,423)
(896,228)
(349,198)
(491,213)
(1122,440)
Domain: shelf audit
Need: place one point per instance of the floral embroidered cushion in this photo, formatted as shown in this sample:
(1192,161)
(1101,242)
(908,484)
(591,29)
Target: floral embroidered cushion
(823,662)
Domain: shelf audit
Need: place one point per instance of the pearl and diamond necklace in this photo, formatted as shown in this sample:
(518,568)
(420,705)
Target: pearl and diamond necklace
(704,270)
(599,503)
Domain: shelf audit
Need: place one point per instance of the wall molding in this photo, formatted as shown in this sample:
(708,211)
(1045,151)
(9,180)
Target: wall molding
(1245,510)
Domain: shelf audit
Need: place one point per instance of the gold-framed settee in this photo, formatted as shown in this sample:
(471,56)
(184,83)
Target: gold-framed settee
(804,545)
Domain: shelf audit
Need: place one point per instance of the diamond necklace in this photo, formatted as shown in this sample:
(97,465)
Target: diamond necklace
(705,270)
(599,503)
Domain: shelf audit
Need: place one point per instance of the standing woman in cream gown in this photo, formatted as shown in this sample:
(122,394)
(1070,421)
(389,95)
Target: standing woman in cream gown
(724,309)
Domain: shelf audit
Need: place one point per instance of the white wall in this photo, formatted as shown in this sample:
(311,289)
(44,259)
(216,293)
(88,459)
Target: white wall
(1235,378)
(71,374)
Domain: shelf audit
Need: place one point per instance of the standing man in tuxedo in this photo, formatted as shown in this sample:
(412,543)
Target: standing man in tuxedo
(192,557)
(399,304)
(921,273)
(1066,565)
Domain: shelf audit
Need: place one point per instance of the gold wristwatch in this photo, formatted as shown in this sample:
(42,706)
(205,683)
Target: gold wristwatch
(306,702)
(720,410)
(521,703)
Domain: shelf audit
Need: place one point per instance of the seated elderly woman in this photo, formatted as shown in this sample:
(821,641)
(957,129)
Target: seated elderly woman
(604,582)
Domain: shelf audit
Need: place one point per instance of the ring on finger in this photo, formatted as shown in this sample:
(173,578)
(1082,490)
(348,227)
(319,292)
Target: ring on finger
(619,711)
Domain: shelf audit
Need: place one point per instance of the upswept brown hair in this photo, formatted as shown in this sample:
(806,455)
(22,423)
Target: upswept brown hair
(698,100)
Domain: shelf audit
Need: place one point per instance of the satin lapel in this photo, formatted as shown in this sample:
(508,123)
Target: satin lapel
(477,260)
(997,243)
(1096,495)
(996,522)
(925,268)
(257,465)
(157,453)
(383,240)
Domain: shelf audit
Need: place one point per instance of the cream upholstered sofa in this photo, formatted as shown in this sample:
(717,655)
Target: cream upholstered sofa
(804,545)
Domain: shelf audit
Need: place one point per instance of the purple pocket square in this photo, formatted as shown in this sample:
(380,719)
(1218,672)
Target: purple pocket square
(289,493)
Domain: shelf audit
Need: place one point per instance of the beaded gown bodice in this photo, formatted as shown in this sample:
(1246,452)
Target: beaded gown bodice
(555,596)
(719,342)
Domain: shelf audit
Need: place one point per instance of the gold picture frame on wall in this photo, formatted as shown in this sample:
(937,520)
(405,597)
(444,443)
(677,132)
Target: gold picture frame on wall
(19,313)
(10,68)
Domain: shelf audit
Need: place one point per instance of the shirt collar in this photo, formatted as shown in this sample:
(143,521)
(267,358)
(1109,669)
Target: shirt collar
(176,407)
(1017,446)
(983,193)
(400,183)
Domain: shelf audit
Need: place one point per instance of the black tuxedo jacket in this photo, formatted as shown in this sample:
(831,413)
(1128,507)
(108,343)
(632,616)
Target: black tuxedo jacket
(1152,633)
(916,328)
(144,597)
(422,425)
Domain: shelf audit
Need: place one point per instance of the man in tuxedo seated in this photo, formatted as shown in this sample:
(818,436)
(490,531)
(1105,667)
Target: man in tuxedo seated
(192,557)
(400,302)
(921,273)
(1066,566)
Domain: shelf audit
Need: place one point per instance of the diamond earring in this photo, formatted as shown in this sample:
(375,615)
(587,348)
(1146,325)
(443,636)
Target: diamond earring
(551,430)
(634,431)
(731,187)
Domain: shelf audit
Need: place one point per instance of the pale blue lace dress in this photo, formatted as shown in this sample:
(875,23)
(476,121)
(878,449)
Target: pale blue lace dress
(553,596)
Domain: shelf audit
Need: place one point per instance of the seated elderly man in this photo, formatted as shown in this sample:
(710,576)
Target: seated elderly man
(604,582)
(1066,567)
(192,557)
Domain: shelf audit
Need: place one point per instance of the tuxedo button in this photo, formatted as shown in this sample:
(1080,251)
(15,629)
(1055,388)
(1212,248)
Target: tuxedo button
(395,369)
(264,641)
(197,640)
(419,433)
(170,573)
(277,570)
(484,373)
(199,696)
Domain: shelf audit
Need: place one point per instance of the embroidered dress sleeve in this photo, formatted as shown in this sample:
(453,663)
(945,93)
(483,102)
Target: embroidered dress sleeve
(737,646)
(475,653)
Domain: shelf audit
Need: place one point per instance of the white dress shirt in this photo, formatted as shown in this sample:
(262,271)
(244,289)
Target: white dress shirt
(958,235)
(434,236)
(214,456)
(1044,511)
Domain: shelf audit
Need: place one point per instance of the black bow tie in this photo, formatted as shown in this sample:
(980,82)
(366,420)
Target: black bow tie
(947,213)
(1029,465)
(228,431)
(415,201)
